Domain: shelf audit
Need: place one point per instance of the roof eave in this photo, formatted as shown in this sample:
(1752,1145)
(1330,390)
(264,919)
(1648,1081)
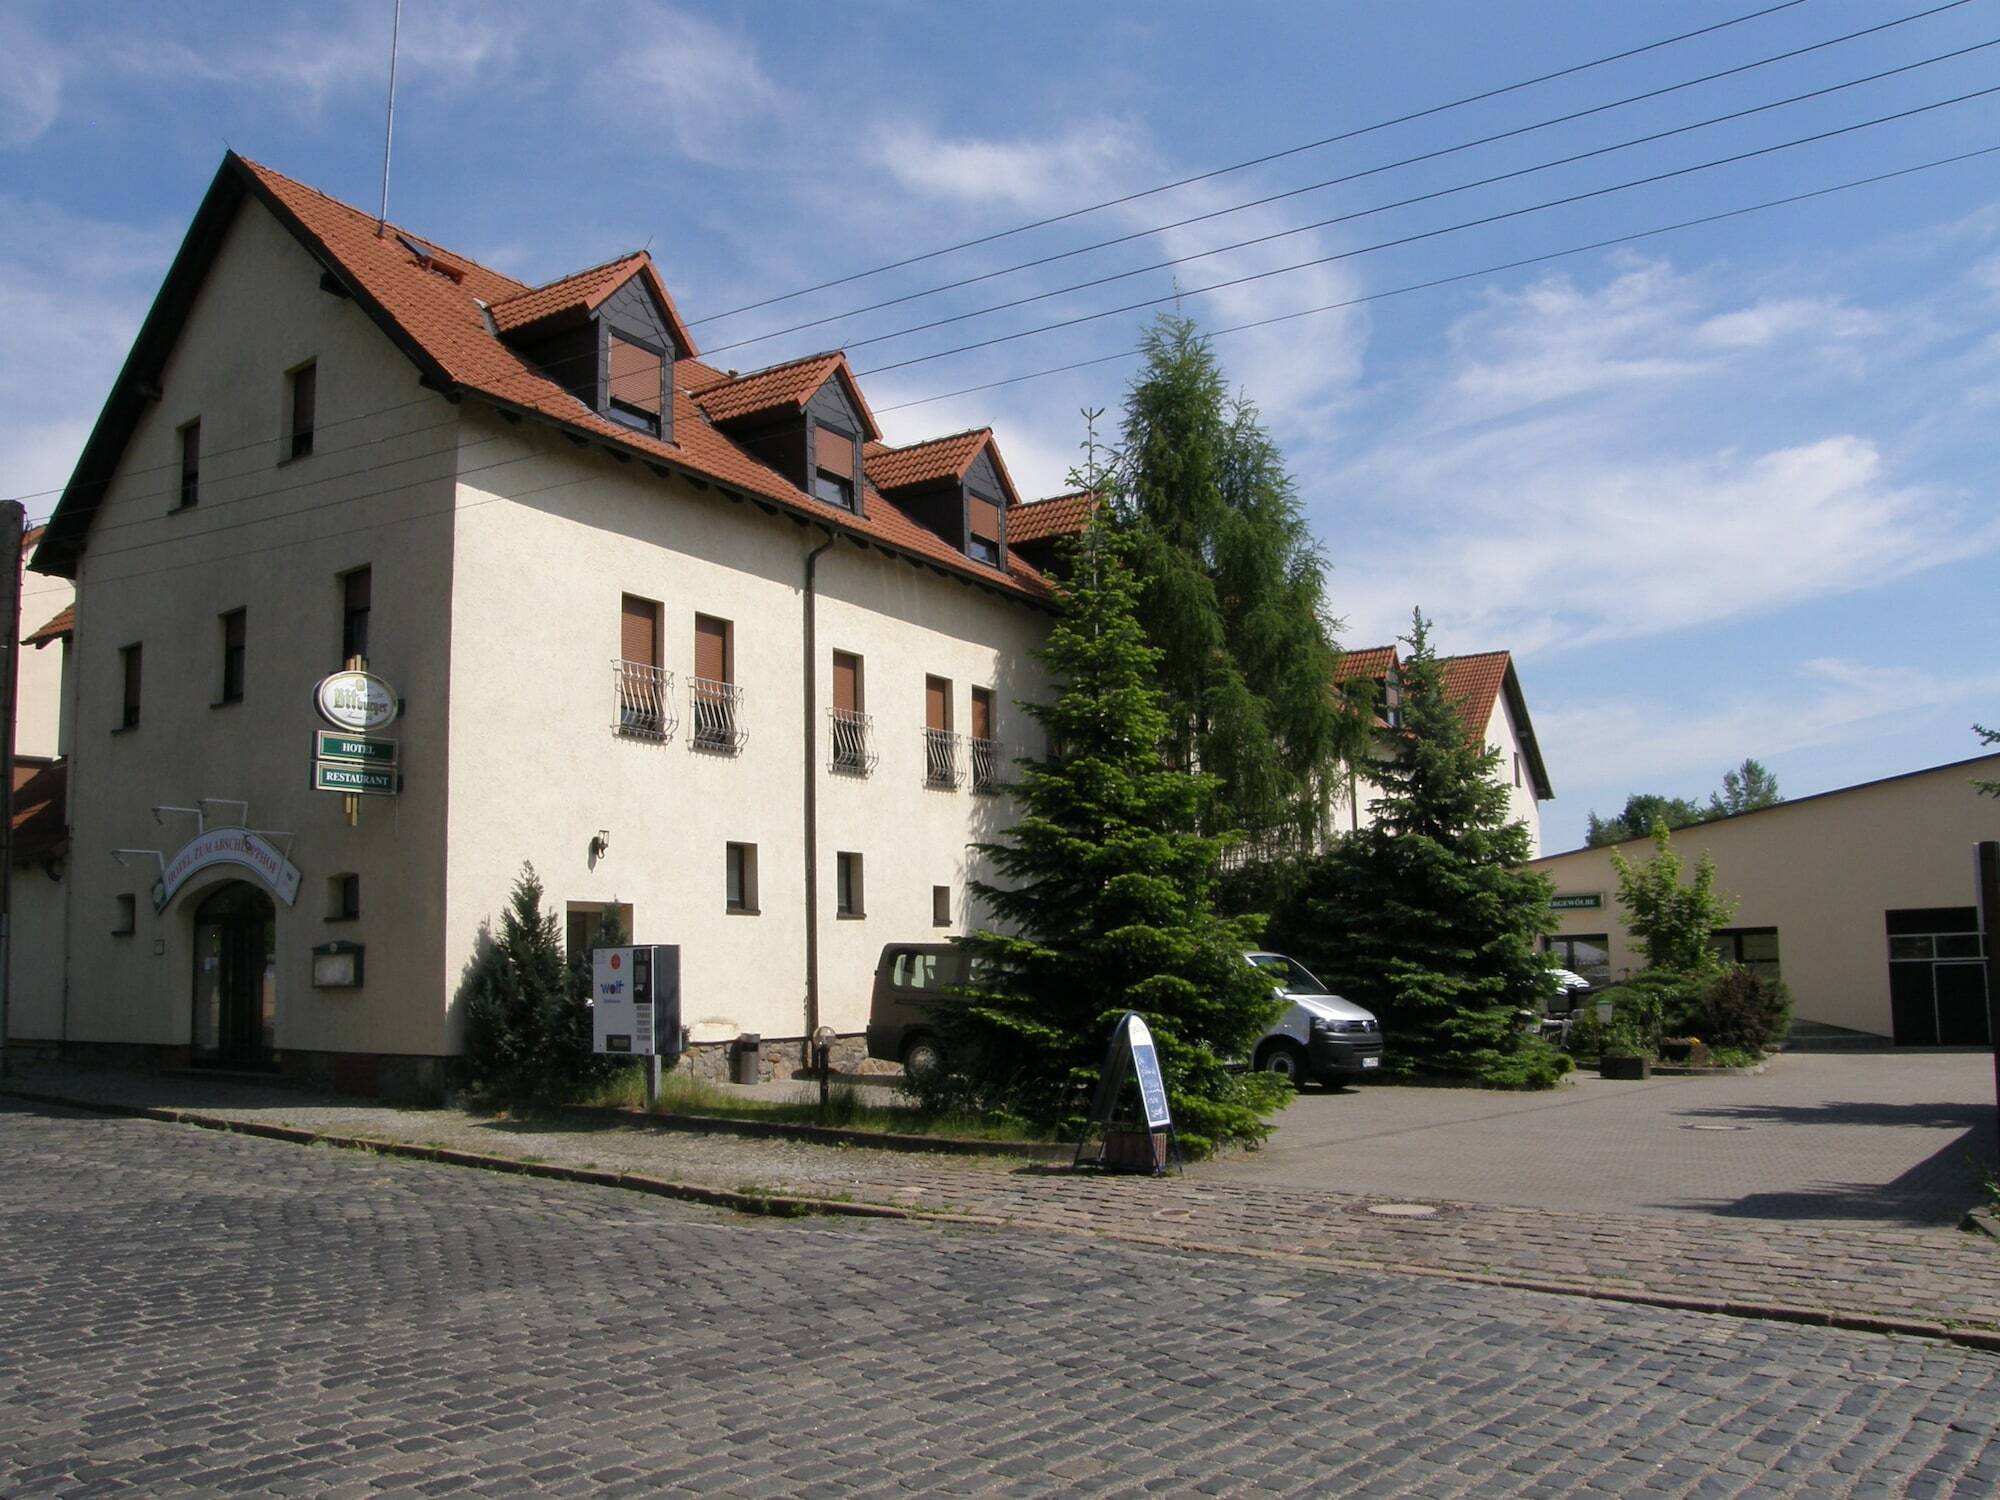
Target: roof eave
(1524,731)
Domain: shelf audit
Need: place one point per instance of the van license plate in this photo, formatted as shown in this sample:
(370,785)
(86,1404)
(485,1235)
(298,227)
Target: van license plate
(1371,1062)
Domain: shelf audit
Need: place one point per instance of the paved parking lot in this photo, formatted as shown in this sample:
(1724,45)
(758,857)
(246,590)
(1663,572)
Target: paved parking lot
(1890,1138)
(184,1312)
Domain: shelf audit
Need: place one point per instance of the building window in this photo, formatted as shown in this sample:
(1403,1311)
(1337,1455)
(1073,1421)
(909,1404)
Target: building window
(982,530)
(125,915)
(847,884)
(850,726)
(190,464)
(301,400)
(356,590)
(343,897)
(595,924)
(833,466)
(940,906)
(940,744)
(712,691)
(982,749)
(129,670)
(1517,768)
(645,692)
(233,625)
(1755,948)
(1587,955)
(1937,977)
(635,383)
(739,878)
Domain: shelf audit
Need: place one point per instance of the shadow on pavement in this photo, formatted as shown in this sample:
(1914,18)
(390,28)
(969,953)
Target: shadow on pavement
(1916,1115)
(1936,1192)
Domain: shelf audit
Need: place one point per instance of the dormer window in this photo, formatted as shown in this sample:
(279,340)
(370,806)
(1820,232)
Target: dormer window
(833,465)
(982,530)
(635,382)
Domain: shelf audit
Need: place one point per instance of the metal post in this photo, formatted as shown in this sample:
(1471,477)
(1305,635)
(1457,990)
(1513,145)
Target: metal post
(652,1082)
(13,523)
(1986,856)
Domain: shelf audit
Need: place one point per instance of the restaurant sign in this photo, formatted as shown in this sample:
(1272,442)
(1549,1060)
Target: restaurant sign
(227,846)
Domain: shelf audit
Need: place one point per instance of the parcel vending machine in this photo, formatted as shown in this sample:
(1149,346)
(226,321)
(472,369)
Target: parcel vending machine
(636,1001)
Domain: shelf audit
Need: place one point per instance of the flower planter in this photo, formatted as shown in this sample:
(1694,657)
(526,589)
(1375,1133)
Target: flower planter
(1625,1067)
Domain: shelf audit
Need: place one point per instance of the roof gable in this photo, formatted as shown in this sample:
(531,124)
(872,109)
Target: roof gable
(1056,516)
(788,388)
(585,292)
(937,460)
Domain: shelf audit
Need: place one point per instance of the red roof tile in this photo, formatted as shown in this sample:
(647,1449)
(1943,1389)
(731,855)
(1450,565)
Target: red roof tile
(1365,661)
(1058,515)
(786,387)
(441,324)
(1473,684)
(63,624)
(928,462)
(581,292)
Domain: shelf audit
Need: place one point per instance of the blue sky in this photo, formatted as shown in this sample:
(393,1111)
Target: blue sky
(1724,491)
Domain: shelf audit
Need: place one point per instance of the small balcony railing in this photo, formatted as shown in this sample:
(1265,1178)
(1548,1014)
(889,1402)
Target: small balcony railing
(941,758)
(851,742)
(715,712)
(985,758)
(642,698)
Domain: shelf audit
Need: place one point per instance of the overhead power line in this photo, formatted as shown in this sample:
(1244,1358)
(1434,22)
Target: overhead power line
(1494,218)
(1257,161)
(1492,270)
(1313,187)
(1362,213)
(1439,281)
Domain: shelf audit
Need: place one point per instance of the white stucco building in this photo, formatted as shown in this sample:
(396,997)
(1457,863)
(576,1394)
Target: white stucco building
(697,645)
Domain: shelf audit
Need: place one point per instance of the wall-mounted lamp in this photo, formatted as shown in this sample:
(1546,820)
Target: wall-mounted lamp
(601,845)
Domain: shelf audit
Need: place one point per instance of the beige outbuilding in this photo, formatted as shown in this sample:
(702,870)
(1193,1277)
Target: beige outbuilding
(1863,900)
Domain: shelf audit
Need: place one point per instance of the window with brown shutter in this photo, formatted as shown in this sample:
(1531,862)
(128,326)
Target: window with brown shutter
(639,630)
(846,682)
(635,380)
(711,649)
(834,452)
(982,713)
(937,703)
(982,530)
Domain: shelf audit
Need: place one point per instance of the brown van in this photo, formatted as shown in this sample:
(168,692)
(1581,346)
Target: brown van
(911,981)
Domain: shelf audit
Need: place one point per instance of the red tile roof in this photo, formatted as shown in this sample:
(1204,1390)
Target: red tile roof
(928,462)
(583,292)
(727,397)
(439,325)
(41,829)
(63,624)
(1473,684)
(1058,515)
(1372,662)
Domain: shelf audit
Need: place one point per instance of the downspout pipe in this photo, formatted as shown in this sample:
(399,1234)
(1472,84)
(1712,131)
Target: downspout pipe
(811,770)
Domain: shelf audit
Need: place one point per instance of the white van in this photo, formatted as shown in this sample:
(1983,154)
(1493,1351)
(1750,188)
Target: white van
(1320,1037)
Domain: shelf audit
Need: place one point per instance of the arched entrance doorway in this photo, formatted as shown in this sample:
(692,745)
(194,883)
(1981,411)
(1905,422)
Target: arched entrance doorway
(235,977)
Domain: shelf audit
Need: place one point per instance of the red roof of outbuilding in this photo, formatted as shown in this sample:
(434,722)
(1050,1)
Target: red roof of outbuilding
(1058,515)
(63,624)
(41,827)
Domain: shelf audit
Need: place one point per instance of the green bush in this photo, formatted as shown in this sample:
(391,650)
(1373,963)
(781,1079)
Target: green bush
(527,1028)
(1742,1009)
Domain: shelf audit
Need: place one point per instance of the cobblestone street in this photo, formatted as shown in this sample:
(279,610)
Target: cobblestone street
(193,1312)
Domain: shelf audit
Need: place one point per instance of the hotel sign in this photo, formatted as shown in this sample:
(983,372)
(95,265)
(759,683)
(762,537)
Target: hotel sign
(1583,901)
(358,701)
(228,846)
(355,749)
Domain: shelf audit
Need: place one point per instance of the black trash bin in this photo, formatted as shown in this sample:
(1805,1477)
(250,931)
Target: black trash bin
(749,1058)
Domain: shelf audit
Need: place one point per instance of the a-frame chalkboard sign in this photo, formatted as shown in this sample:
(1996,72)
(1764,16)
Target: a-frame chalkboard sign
(1130,1130)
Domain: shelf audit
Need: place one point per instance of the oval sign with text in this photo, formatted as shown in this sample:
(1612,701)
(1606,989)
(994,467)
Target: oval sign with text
(356,700)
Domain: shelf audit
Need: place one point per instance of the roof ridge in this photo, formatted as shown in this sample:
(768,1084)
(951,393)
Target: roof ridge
(555,281)
(390,224)
(943,438)
(783,364)
(1054,499)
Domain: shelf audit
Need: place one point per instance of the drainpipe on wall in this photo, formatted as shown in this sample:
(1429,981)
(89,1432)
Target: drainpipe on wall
(812,793)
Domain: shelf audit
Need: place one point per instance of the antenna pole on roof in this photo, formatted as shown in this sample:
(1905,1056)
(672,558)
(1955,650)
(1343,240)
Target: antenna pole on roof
(389,130)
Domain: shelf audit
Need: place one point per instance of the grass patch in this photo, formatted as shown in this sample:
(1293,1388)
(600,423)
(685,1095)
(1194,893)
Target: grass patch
(847,1108)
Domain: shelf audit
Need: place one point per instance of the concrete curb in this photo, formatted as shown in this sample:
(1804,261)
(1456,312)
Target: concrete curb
(790,1206)
(1984,1221)
(825,1135)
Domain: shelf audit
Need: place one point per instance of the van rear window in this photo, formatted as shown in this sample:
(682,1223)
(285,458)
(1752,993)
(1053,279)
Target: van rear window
(915,971)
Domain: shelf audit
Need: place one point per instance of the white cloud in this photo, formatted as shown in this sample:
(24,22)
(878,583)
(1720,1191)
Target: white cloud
(703,84)
(1826,701)
(31,82)
(1767,322)
(1091,158)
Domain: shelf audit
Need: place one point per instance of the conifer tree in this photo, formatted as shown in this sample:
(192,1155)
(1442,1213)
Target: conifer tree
(1426,917)
(527,1030)
(1232,587)
(1108,901)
